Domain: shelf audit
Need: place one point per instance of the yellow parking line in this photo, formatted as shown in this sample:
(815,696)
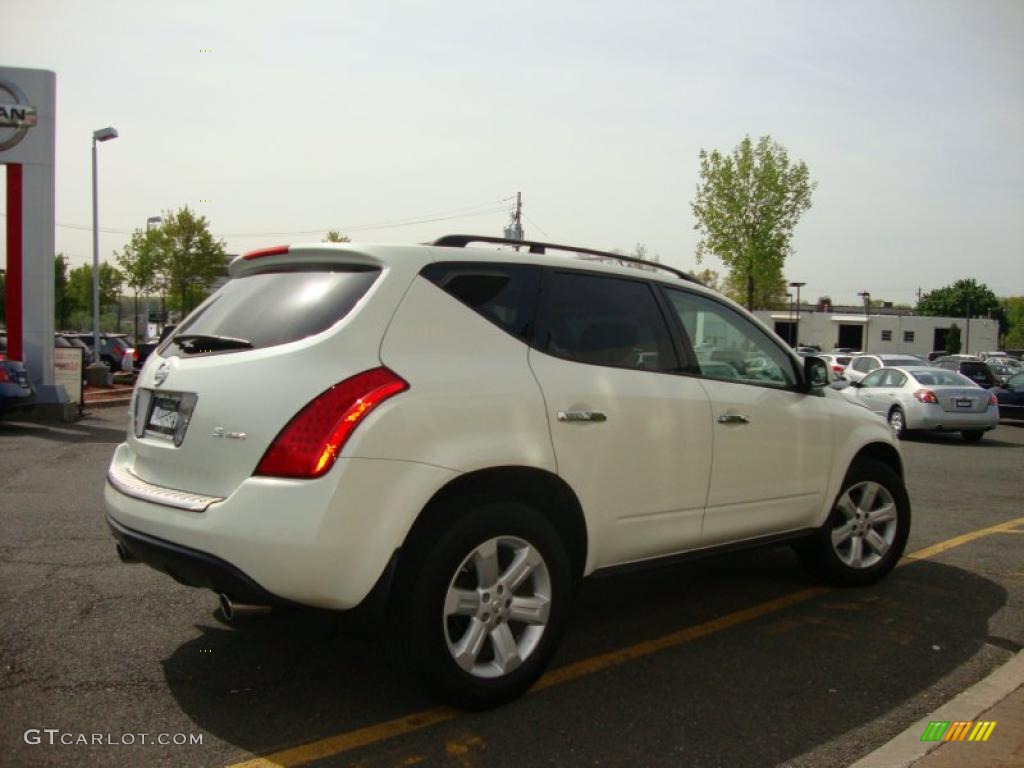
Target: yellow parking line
(371,734)
(942,546)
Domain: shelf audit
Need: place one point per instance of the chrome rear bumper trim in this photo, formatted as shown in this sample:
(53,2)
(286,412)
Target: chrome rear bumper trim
(127,483)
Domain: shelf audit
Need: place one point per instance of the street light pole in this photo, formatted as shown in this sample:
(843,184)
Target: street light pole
(866,295)
(798,286)
(103,134)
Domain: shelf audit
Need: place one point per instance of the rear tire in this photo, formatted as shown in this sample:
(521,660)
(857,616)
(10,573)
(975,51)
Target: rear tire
(972,435)
(898,422)
(480,607)
(866,532)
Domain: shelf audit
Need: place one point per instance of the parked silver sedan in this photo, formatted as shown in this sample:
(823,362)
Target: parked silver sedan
(920,398)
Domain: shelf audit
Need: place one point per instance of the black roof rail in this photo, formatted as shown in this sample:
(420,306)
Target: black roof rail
(461,241)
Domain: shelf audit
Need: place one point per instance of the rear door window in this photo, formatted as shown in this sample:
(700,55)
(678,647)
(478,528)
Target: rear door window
(268,309)
(609,321)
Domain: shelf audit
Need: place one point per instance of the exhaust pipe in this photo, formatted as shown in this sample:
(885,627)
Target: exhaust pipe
(231,610)
(125,556)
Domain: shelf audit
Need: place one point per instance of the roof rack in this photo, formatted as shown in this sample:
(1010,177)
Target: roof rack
(461,241)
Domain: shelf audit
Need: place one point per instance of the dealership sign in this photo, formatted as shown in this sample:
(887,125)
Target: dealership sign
(16,114)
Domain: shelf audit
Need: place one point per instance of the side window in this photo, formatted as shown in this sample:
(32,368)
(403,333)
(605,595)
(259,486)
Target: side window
(873,379)
(505,294)
(607,321)
(728,346)
(893,378)
(865,364)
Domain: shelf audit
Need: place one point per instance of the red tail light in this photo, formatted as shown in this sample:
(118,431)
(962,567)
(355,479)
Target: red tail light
(309,444)
(838,368)
(926,396)
(993,400)
(3,372)
(135,355)
(276,250)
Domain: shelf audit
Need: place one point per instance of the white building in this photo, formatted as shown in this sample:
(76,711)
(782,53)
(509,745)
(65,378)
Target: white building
(883,330)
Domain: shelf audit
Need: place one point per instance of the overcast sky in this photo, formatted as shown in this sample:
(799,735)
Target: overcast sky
(306,116)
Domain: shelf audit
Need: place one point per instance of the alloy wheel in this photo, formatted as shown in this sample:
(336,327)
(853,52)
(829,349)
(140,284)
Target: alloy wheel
(497,607)
(868,526)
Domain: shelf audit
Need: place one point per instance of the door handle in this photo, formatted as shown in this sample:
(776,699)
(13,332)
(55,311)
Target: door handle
(733,418)
(581,416)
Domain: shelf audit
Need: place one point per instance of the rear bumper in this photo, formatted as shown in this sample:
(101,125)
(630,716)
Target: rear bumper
(939,420)
(192,567)
(323,543)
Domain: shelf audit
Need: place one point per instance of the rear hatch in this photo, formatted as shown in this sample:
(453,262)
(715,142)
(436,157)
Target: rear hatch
(213,396)
(979,373)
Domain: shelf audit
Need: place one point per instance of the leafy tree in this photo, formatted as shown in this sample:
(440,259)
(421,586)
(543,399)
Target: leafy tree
(79,289)
(63,303)
(141,261)
(710,278)
(1013,312)
(334,236)
(953,340)
(747,205)
(963,298)
(191,259)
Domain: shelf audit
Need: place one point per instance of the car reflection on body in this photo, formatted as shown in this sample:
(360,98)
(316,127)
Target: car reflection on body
(921,398)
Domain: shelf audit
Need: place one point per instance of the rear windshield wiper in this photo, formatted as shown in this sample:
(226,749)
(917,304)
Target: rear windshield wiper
(194,343)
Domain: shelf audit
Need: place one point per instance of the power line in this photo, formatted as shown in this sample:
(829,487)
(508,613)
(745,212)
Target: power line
(480,209)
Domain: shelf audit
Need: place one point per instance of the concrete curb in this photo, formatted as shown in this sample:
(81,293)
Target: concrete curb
(109,402)
(907,748)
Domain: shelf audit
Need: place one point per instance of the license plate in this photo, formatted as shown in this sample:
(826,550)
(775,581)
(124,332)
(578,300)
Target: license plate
(963,402)
(163,418)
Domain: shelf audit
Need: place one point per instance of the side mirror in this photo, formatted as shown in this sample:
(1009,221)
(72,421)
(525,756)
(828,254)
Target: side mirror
(815,372)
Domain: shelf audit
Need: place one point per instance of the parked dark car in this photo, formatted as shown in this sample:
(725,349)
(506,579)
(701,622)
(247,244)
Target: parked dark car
(16,392)
(113,350)
(1011,398)
(75,340)
(975,370)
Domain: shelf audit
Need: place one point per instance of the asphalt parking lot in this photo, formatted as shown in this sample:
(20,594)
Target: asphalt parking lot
(739,660)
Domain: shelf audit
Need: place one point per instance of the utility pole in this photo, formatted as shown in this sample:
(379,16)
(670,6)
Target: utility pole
(514,230)
(967,322)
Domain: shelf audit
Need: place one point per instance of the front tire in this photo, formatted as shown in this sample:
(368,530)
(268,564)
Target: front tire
(866,532)
(481,607)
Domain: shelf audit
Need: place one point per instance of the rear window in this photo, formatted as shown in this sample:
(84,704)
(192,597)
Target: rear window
(976,371)
(271,308)
(941,378)
(900,361)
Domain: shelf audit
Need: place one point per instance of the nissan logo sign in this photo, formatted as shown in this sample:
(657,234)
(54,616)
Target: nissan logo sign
(16,114)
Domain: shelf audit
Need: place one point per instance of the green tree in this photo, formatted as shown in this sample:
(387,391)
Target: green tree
(63,305)
(334,236)
(953,340)
(747,205)
(191,259)
(79,291)
(1013,312)
(710,278)
(141,261)
(963,298)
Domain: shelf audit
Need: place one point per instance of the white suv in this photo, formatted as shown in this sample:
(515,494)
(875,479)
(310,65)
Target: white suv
(460,434)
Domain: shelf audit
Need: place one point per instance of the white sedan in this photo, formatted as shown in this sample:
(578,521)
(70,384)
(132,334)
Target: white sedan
(920,398)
